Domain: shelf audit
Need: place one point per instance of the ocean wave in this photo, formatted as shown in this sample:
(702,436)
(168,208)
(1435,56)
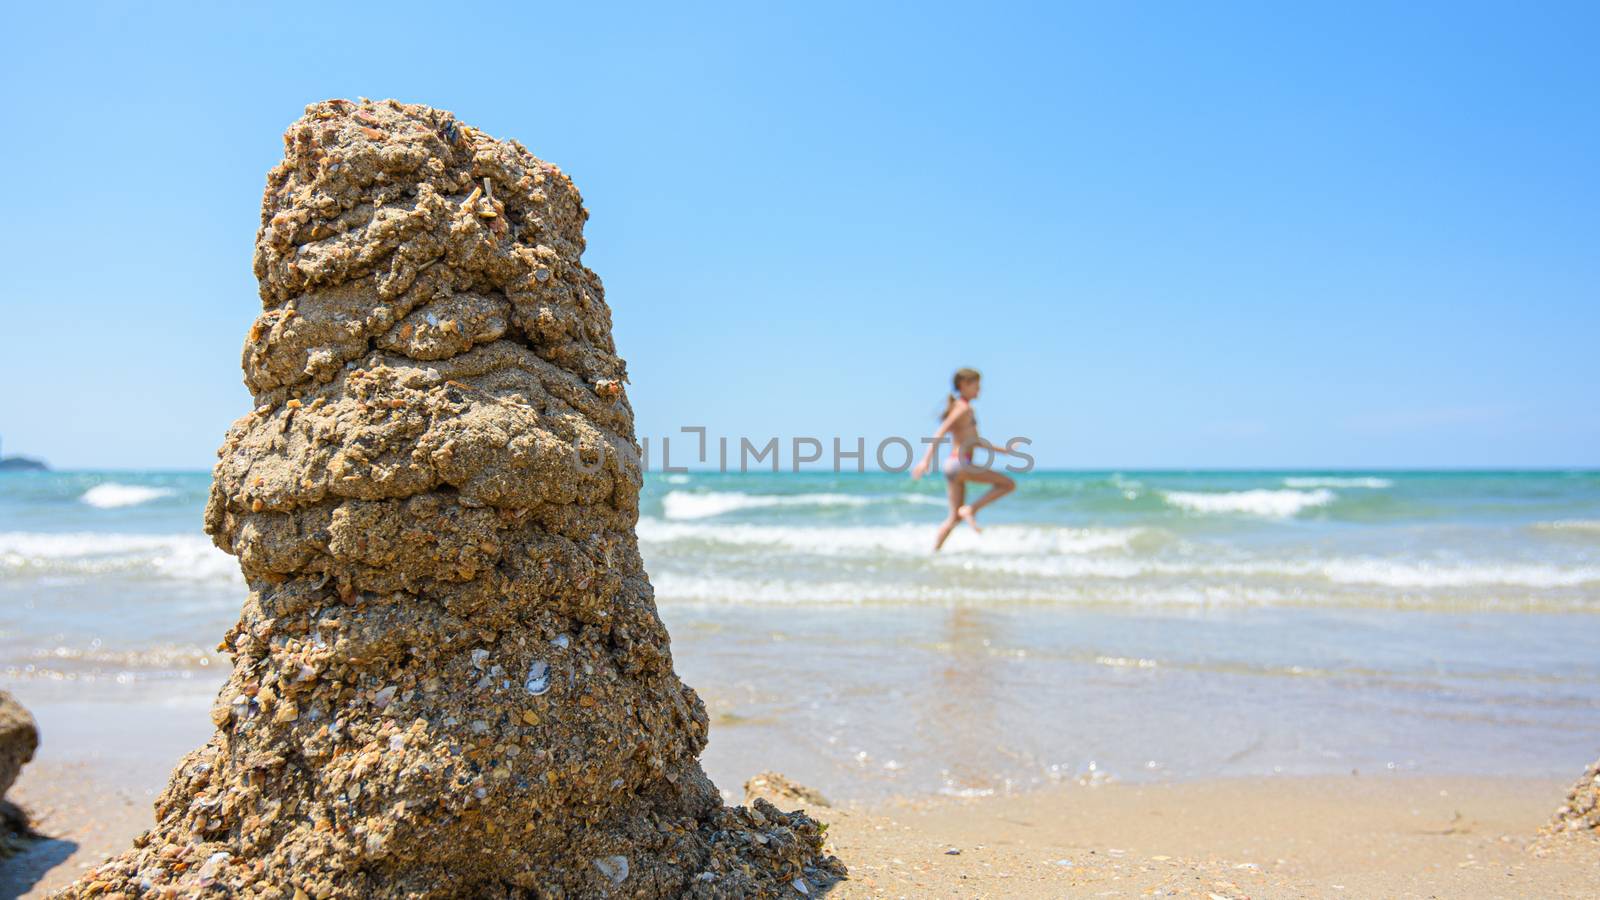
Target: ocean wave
(176,557)
(161,657)
(1331,482)
(903,540)
(1280,504)
(694,505)
(1374,571)
(1408,574)
(672,587)
(112,495)
(675,587)
(1579,527)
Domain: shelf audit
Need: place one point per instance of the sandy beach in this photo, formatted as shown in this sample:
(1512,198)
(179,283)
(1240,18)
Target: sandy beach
(1356,836)
(1300,837)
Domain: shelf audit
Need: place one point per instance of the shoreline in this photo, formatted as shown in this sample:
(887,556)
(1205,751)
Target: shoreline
(1281,836)
(1390,834)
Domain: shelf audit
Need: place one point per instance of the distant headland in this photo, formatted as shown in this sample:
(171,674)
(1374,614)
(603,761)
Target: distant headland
(22,464)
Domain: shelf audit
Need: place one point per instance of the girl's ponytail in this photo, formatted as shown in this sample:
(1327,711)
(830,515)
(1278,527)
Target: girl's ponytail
(962,376)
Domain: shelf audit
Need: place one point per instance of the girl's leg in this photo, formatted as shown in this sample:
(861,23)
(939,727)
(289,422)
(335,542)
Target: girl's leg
(1002,485)
(956,489)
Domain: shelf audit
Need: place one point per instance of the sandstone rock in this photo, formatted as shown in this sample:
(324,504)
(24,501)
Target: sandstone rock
(449,676)
(19,738)
(1581,812)
(775,787)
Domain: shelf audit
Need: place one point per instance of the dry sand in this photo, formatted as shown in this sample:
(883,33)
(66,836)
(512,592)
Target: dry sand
(1357,836)
(1312,837)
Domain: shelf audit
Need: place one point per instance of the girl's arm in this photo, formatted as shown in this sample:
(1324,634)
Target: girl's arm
(949,422)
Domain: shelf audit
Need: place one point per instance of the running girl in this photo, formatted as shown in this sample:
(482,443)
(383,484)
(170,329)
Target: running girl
(960,424)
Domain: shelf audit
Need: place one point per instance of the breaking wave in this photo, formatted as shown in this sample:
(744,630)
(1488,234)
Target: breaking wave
(1260,502)
(1570,527)
(903,540)
(695,505)
(1373,571)
(176,557)
(112,495)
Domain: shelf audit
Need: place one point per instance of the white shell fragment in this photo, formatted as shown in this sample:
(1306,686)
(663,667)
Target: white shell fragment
(614,868)
(538,680)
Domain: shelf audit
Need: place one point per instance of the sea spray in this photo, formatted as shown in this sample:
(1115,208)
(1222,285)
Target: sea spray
(114,496)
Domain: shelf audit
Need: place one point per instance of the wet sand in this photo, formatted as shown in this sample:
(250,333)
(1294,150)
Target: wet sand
(1352,836)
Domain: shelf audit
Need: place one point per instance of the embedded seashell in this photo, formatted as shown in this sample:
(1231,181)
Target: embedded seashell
(538,680)
(614,868)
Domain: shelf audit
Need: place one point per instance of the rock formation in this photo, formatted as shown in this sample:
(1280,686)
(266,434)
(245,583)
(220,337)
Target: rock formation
(449,676)
(1581,812)
(19,738)
(775,787)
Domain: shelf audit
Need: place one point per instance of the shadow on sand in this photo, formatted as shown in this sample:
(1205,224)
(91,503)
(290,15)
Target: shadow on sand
(23,869)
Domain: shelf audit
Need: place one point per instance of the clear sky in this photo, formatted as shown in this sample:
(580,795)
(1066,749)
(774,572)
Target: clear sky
(1170,234)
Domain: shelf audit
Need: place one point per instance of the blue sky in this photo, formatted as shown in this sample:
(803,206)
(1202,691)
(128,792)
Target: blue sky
(1170,234)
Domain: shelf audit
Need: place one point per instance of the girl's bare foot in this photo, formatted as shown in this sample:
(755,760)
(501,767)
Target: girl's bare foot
(970,516)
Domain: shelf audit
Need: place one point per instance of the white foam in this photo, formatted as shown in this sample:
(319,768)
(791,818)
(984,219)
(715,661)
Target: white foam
(1260,502)
(1377,571)
(675,587)
(685,588)
(1038,559)
(672,586)
(112,495)
(1387,572)
(1406,574)
(1570,526)
(1331,482)
(684,505)
(1359,583)
(178,557)
(906,540)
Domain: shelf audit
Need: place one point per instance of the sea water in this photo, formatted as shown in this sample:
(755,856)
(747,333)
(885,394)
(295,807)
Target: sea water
(1105,625)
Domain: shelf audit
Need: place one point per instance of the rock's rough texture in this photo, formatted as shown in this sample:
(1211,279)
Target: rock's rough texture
(1581,812)
(19,737)
(775,787)
(449,677)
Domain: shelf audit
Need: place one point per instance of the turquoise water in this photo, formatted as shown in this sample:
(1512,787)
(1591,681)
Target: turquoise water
(1105,624)
(1457,541)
